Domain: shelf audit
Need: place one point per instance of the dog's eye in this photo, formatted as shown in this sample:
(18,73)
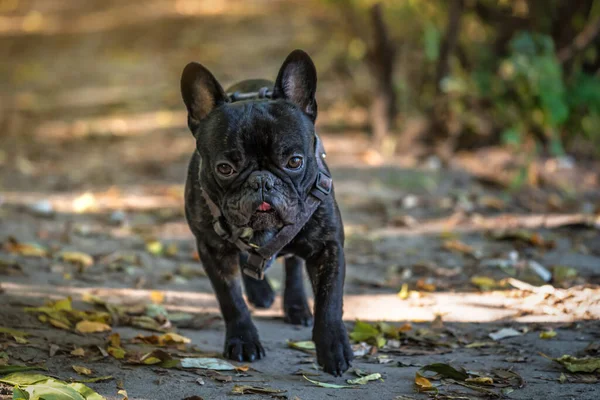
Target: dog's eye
(294,162)
(225,169)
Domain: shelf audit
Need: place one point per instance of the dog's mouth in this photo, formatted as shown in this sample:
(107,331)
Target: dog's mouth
(265,217)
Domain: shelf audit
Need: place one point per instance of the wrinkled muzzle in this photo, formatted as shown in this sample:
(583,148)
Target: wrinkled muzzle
(263,202)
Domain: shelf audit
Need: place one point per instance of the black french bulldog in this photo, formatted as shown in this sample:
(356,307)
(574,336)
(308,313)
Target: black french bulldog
(258,188)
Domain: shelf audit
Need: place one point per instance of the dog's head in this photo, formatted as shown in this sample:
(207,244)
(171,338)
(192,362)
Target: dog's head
(258,156)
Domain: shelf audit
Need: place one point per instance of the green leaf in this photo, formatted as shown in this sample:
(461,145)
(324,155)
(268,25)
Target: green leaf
(12,332)
(363,380)
(54,390)
(363,331)
(86,392)
(23,379)
(8,369)
(446,371)
(574,364)
(307,346)
(326,385)
(20,394)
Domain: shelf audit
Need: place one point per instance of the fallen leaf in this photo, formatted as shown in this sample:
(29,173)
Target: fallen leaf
(456,246)
(53,350)
(548,334)
(485,283)
(242,389)
(363,380)
(574,364)
(116,352)
(423,384)
(23,378)
(91,327)
(8,369)
(123,393)
(75,257)
(82,370)
(477,345)
(214,364)
(307,346)
(326,385)
(78,352)
(504,333)
(403,293)
(481,380)
(446,371)
(25,249)
(173,338)
(155,248)
(157,297)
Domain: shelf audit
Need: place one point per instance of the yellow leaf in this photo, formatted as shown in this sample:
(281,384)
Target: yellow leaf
(91,327)
(59,324)
(115,340)
(76,257)
(405,328)
(242,368)
(20,339)
(172,250)
(123,393)
(481,380)
(151,360)
(403,293)
(26,249)
(61,305)
(548,334)
(155,248)
(423,384)
(82,370)
(169,338)
(157,297)
(116,352)
(78,352)
(484,283)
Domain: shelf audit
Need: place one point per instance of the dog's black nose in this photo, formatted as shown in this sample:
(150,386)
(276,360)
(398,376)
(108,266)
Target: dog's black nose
(260,180)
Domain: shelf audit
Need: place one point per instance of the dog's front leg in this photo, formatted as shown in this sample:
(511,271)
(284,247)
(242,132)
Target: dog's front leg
(221,266)
(327,271)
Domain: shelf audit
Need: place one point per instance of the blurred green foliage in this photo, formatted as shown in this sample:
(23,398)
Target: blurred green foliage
(506,80)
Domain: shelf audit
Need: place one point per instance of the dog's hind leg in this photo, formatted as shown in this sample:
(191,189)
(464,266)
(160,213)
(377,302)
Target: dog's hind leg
(295,305)
(259,292)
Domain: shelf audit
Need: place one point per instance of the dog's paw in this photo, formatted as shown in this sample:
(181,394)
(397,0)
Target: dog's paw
(298,314)
(242,343)
(334,353)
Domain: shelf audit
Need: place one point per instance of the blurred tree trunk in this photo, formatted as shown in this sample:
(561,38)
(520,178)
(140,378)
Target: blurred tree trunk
(380,59)
(441,133)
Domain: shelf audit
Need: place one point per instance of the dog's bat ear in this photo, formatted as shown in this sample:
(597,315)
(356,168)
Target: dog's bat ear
(201,93)
(297,82)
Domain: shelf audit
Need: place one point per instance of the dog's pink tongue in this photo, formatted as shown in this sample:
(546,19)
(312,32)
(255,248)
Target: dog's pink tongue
(264,206)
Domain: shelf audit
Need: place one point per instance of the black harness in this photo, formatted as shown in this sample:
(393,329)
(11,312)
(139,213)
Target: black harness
(259,257)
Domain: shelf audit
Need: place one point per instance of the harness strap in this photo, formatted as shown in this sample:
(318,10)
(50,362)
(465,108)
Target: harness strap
(258,257)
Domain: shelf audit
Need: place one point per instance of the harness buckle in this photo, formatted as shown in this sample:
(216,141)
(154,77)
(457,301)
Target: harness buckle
(255,266)
(220,229)
(324,183)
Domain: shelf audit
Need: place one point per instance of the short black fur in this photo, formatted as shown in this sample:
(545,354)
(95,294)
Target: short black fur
(256,139)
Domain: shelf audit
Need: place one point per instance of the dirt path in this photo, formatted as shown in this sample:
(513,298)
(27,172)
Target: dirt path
(92,160)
